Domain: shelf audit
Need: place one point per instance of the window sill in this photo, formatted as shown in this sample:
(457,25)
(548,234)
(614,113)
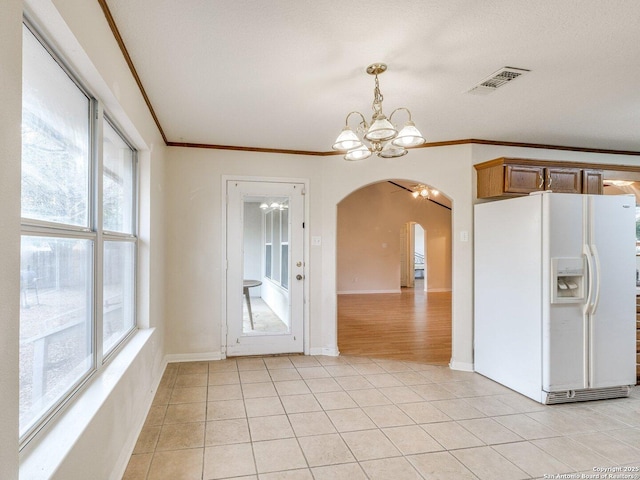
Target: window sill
(43,456)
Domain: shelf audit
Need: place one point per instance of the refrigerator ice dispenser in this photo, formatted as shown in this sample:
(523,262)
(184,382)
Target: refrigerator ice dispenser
(567,280)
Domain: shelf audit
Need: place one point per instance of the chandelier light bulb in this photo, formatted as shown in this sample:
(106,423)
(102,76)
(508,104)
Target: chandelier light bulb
(422,191)
(381,130)
(357,154)
(392,151)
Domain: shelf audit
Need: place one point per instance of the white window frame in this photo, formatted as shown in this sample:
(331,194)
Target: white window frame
(93,232)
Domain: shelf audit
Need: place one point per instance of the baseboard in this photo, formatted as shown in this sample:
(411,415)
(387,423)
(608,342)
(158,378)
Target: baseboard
(327,351)
(356,292)
(193,357)
(461,366)
(438,290)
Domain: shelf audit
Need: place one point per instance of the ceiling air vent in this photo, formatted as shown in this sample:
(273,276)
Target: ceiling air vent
(497,80)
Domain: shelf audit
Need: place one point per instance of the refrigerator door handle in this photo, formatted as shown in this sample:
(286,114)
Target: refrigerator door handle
(587,255)
(596,298)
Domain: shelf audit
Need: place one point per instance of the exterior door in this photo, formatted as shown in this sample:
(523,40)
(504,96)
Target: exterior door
(265,267)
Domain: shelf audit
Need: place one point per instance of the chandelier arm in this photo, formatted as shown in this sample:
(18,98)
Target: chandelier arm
(401,108)
(363,123)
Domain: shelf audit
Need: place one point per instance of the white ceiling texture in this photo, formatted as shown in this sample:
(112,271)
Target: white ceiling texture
(283,74)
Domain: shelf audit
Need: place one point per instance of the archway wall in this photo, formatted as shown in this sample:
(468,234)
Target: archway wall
(448,169)
(369,243)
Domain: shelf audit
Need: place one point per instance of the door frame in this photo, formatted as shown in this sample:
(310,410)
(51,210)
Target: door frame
(223,261)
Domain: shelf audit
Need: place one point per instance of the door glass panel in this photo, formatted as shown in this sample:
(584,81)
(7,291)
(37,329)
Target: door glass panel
(266,301)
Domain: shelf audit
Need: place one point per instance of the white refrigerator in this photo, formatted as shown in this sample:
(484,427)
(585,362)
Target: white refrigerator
(554,299)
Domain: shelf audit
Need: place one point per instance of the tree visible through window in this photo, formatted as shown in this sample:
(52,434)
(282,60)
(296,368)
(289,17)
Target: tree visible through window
(63,240)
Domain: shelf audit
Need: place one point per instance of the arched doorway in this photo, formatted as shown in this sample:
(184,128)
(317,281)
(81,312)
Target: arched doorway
(376,315)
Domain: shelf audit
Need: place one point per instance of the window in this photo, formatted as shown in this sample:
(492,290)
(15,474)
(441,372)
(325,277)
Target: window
(268,243)
(118,284)
(284,247)
(276,242)
(78,245)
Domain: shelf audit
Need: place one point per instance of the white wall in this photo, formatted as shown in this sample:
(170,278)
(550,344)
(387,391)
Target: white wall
(370,221)
(10,120)
(419,240)
(94,437)
(196,245)
(447,168)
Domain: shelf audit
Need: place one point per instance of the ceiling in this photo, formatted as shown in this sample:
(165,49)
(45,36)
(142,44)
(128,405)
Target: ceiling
(283,74)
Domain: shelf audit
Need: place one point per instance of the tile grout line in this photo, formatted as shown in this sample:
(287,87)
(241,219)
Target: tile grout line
(442,381)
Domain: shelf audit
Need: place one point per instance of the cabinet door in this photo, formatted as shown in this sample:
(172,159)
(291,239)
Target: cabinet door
(523,179)
(592,182)
(564,180)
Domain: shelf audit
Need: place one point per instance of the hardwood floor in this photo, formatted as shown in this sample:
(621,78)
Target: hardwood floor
(412,325)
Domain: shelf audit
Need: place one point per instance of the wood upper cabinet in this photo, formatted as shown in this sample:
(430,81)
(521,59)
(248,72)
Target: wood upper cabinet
(563,180)
(592,181)
(513,177)
(523,179)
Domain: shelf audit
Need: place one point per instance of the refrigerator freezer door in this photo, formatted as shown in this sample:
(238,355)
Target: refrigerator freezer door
(508,265)
(613,318)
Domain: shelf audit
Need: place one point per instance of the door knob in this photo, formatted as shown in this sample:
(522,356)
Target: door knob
(299,277)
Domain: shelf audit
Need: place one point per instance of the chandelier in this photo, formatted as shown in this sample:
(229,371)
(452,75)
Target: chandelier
(424,192)
(383,137)
(270,206)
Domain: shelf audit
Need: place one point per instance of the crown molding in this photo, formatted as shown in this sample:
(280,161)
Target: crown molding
(447,143)
(132,68)
(249,149)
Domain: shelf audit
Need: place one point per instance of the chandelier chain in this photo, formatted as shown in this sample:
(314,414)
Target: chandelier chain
(377,98)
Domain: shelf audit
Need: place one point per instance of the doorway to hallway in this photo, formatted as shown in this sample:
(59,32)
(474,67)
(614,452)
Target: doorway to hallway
(377,314)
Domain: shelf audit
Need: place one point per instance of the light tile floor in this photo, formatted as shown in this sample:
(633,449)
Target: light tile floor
(302,417)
